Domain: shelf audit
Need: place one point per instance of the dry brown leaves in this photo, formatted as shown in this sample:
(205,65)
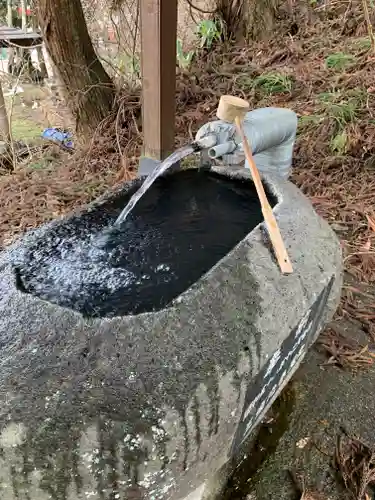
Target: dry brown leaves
(312,495)
(359,303)
(349,340)
(31,196)
(343,195)
(303,492)
(345,352)
(355,465)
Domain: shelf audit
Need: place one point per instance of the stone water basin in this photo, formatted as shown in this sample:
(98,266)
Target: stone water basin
(142,369)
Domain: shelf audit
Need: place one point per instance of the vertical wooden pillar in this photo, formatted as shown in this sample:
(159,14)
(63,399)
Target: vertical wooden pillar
(158,37)
(9,13)
(4,122)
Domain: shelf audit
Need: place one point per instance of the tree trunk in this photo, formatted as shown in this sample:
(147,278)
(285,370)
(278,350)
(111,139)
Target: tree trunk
(261,18)
(233,14)
(4,123)
(88,89)
(6,158)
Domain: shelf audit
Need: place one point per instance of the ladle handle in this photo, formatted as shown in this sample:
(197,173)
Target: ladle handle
(269,217)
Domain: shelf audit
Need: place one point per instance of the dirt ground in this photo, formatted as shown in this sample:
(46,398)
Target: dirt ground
(343,404)
(319,64)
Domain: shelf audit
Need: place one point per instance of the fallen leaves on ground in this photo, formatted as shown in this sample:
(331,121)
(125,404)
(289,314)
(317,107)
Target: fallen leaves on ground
(312,495)
(345,352)
(306,493)
(355,465)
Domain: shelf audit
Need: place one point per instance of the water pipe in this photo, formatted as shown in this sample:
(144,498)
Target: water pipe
(271,133)
(148,165)
(208,142)
(222,149)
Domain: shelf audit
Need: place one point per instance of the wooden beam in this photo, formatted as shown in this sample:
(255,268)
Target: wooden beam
(158,36)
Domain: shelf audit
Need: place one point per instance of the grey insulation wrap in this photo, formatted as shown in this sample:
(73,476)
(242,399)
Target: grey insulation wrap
(271,133)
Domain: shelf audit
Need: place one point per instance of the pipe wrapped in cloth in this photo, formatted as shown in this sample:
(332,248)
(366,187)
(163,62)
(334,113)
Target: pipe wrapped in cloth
(271,133)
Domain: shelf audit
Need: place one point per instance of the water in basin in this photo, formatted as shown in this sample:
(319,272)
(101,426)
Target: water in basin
(185,223)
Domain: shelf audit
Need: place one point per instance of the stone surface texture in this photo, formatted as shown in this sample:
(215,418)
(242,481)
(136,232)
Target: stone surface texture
(146,406)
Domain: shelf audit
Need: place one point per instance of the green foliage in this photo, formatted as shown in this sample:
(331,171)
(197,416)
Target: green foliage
(44,162)
(343,108)
(363,43)
(135,65)
(343,112)
(184,59)
(245,82)
(339,61)
(307,122)
(273,83)
(38,165)
(332,96)
(128,64)
(208,32)
(339,143)
(24,129)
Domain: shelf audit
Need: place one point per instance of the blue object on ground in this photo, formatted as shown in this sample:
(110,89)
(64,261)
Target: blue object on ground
(58,136)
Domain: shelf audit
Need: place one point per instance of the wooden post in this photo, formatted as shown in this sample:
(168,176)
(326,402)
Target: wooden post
(4,122)
(11,51)
(24,15)
(9,13)
(158,37)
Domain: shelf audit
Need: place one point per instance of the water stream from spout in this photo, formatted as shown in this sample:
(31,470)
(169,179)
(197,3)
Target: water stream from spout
(172,159)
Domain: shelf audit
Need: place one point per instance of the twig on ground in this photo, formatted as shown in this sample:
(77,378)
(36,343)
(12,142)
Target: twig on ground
(355,464)
(369,25)
(343,351)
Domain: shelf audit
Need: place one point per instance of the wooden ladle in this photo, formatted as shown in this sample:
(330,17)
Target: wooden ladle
(233,109)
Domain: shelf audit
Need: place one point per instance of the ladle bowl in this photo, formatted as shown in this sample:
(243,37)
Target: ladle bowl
(118,385)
